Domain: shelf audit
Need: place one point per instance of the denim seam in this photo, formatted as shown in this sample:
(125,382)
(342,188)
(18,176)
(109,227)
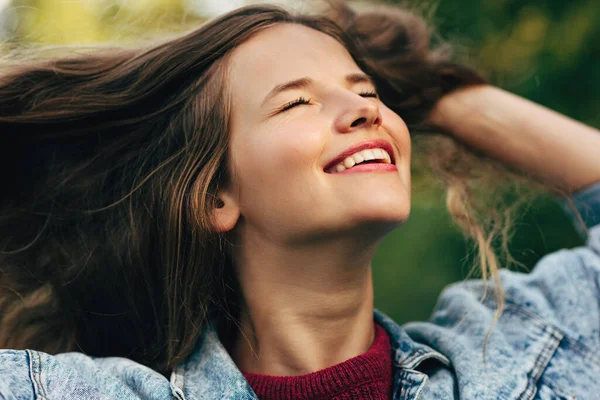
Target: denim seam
(176,386)
(38,389)
(552,339)
(31,373)
(412,358)
(420,355)
(39,357)
(411,384)
(420,388)
(582,348)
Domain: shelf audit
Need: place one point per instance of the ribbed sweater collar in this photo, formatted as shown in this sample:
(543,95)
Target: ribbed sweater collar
(367,376)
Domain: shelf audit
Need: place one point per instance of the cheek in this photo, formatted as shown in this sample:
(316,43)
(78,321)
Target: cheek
(281,151)
(397,128)
(277,164)
(275,172)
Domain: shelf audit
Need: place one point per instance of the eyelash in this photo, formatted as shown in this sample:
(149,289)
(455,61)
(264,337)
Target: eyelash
(301,100)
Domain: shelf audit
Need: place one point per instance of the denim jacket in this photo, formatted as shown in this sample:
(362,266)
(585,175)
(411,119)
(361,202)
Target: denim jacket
(546,345)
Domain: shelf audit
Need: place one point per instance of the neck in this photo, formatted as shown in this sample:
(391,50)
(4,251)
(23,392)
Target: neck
(306,308)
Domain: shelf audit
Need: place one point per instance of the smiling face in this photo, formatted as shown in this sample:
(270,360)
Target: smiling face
(301,108)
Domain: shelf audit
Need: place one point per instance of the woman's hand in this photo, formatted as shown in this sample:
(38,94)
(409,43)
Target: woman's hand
(554,148)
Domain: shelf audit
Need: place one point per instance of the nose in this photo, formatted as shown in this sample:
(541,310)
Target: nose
(363,114)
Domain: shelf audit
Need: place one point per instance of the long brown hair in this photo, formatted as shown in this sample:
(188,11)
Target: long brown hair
(110,162)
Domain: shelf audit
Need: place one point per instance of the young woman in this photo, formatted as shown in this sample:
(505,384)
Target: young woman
(197,220)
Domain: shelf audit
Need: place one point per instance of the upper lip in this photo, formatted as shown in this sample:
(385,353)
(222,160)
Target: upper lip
(368,144)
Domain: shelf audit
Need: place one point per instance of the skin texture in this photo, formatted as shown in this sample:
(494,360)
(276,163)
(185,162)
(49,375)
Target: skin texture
(304,238)
(557,150)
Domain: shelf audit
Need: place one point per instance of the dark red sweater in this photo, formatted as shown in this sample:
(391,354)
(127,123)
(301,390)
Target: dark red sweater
(367,376)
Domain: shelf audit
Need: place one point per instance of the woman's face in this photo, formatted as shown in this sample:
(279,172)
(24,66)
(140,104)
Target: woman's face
(299,103)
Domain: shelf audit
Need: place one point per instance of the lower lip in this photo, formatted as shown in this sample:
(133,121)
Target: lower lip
(369,168)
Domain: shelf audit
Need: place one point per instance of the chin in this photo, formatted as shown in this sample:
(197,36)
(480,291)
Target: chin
(376,229)
(392,208)
(395,219)
(383,219)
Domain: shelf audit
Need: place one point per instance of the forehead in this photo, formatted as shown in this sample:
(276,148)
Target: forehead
(284,52)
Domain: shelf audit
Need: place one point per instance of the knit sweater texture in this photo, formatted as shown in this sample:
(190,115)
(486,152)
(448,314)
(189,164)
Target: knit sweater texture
(367,376)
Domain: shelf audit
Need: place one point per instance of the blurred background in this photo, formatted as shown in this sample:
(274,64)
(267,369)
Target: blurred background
(545,50)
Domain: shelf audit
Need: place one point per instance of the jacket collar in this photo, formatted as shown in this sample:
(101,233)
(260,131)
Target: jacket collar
(407,354)
(209,372)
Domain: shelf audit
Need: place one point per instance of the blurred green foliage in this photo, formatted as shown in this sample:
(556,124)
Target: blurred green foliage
(545,50)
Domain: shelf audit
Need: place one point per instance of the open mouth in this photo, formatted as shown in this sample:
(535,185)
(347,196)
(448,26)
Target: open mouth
(361,159)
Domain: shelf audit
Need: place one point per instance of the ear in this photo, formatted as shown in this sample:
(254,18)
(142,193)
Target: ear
(226,212)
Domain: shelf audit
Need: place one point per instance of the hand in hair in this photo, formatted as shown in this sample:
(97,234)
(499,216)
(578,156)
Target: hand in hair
(561,152)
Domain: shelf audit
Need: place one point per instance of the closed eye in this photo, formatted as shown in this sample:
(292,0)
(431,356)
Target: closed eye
(302,100)
(294,103)
(369,94)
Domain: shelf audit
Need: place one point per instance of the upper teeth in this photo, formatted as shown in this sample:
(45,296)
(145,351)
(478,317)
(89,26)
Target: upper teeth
(360,156)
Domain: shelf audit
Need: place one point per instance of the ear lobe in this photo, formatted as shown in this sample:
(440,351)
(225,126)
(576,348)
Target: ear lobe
(226,212)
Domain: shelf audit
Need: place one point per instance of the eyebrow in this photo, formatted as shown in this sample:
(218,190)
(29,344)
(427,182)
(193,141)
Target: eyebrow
(303,83)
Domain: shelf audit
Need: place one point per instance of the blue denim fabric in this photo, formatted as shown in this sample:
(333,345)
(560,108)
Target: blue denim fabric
(546,345)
